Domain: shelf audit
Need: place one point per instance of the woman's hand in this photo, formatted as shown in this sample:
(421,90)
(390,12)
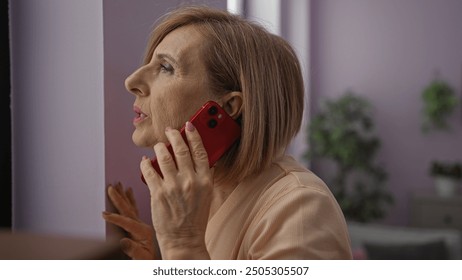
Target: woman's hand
(141,243)
(180,201)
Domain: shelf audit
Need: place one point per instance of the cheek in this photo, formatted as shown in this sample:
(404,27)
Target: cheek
(175,104)
(167,110)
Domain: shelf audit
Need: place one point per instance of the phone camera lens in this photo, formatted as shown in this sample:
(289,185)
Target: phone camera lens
(213,110)
(212,123)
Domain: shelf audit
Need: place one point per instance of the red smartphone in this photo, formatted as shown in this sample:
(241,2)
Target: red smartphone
(217,130)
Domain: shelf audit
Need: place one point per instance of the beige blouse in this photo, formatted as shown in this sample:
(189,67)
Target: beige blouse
(286,212)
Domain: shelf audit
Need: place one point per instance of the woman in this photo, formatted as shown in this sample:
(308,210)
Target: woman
(256,202)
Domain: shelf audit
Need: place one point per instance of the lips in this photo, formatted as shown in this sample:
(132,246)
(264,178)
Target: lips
(140,116)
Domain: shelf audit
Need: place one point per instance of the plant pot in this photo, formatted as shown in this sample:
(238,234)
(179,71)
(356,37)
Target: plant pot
(445,186)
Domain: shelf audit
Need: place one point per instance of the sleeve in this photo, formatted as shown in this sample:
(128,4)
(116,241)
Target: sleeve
(300,223)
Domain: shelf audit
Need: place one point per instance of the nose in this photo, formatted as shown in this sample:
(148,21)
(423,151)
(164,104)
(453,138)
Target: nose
(136,83)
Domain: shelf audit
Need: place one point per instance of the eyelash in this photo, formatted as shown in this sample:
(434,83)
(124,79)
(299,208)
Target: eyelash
(166,68)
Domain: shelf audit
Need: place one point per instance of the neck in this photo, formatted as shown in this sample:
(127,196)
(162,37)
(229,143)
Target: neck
(221,192)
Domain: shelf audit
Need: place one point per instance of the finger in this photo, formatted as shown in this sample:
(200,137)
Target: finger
(198,152)
(150,175)
(135,228)
(121,191)
(165,160)
(120,203)
(212,171)
(114,196)
(132,200)
(180,149)
(117,188)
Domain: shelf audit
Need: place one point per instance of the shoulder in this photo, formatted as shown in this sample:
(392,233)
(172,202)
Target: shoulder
(297,213)
(296,178)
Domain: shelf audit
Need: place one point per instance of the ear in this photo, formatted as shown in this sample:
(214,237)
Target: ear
(232,103)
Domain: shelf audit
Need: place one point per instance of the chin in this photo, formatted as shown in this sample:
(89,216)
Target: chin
(141,141)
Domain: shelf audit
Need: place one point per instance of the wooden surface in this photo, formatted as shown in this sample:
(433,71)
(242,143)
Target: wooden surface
(29,246)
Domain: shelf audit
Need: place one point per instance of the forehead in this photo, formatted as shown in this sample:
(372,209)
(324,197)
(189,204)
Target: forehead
(183,44)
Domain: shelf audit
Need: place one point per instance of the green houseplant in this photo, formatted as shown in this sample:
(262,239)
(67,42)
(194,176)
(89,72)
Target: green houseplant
(342,132)
(439,102)
(447,176)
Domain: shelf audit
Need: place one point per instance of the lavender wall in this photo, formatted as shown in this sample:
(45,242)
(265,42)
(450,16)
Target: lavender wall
(388,51)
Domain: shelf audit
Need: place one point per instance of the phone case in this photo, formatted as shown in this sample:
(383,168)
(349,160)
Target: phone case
(217,130)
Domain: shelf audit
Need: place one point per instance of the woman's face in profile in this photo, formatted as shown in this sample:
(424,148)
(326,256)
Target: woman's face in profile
(170,88)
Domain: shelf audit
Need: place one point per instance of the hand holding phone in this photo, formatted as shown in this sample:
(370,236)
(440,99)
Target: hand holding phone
(217,130)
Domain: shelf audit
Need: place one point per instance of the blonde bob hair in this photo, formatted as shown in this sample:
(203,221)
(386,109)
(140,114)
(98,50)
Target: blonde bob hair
(241,55)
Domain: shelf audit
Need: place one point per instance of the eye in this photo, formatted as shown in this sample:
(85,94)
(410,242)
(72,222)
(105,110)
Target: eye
(166,68)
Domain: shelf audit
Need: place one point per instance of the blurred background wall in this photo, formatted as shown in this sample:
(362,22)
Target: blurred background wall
(389,51)
(57,116)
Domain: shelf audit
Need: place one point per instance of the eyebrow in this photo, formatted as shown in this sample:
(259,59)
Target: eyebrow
(167,56)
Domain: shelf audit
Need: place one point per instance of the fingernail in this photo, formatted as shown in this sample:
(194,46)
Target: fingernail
(106,213)
(144,158)
(168,128)
(189,126)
